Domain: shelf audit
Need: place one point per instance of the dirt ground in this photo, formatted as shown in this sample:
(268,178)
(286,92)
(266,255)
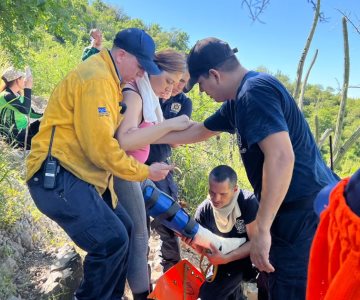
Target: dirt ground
(35,269)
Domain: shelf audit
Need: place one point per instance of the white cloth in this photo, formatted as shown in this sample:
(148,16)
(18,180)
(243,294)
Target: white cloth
(152,112)
(205,237)
(225,217)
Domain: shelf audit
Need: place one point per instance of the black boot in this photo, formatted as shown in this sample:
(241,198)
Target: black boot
(141,296)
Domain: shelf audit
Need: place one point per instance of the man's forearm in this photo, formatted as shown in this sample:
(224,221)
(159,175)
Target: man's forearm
(137,138)
(239,253)
(195,133)
(277,173)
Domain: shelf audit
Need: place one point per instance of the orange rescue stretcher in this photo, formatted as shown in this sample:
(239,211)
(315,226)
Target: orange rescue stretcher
(181,282)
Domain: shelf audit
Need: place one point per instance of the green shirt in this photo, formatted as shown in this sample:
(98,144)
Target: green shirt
(14,109)
(88,51)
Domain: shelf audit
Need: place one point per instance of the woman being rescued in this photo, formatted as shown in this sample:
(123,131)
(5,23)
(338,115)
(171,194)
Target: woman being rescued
(142,125)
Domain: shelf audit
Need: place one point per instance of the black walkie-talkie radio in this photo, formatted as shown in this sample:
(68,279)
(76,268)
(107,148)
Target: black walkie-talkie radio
(51,167)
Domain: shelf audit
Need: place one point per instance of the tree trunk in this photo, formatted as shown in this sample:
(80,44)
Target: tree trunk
(301,98)
(342,109)
(317,133)
(324,136)
(342,150)
(305,51)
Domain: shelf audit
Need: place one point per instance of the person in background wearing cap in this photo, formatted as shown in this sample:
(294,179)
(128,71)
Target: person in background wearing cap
(282,161)
(15,108)
(172,105)
(143,123)
(335,253)
(95,44)
(77,131)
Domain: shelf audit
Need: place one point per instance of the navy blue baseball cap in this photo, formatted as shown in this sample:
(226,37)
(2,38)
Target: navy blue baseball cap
(352,192)
(205,55)
(322,199)
(138,43)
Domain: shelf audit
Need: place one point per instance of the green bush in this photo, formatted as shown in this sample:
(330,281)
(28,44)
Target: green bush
(52,63)
(197,160)
(12,188)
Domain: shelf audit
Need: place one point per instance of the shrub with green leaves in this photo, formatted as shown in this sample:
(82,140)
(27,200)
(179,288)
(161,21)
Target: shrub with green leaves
(12,188)
(51,64)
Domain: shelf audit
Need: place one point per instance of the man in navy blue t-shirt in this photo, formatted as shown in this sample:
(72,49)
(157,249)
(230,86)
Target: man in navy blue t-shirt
(178,104)
(279,153)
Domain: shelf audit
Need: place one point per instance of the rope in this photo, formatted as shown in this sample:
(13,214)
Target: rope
(204,272)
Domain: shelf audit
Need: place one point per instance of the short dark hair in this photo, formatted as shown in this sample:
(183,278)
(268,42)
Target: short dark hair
(222,173)
(229,65)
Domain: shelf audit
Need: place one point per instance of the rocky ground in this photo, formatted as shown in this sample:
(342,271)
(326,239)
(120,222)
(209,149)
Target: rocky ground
(49,274)
(54,273)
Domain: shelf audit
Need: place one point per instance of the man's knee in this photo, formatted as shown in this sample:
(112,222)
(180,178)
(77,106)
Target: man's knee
(103,240)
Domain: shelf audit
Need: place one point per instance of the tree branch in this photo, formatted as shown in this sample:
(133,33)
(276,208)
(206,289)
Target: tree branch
(322,17)
(305,51)
(342,150)
(342,109)
(301,98)
(347,17)
(324,136)
(255,8)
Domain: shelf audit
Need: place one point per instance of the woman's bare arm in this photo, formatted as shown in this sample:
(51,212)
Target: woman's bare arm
(131,137)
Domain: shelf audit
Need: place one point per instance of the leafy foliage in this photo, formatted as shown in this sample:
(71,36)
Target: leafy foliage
(50,35)
(11,195)
(59,58)
(24,22)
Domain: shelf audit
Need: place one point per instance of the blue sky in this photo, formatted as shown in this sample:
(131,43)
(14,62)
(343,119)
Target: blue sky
(277,44)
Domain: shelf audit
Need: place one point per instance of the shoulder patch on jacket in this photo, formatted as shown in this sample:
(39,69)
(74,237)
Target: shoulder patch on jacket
(103,111)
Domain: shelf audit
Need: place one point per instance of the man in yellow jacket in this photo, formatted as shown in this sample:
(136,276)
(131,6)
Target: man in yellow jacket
(75,155)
